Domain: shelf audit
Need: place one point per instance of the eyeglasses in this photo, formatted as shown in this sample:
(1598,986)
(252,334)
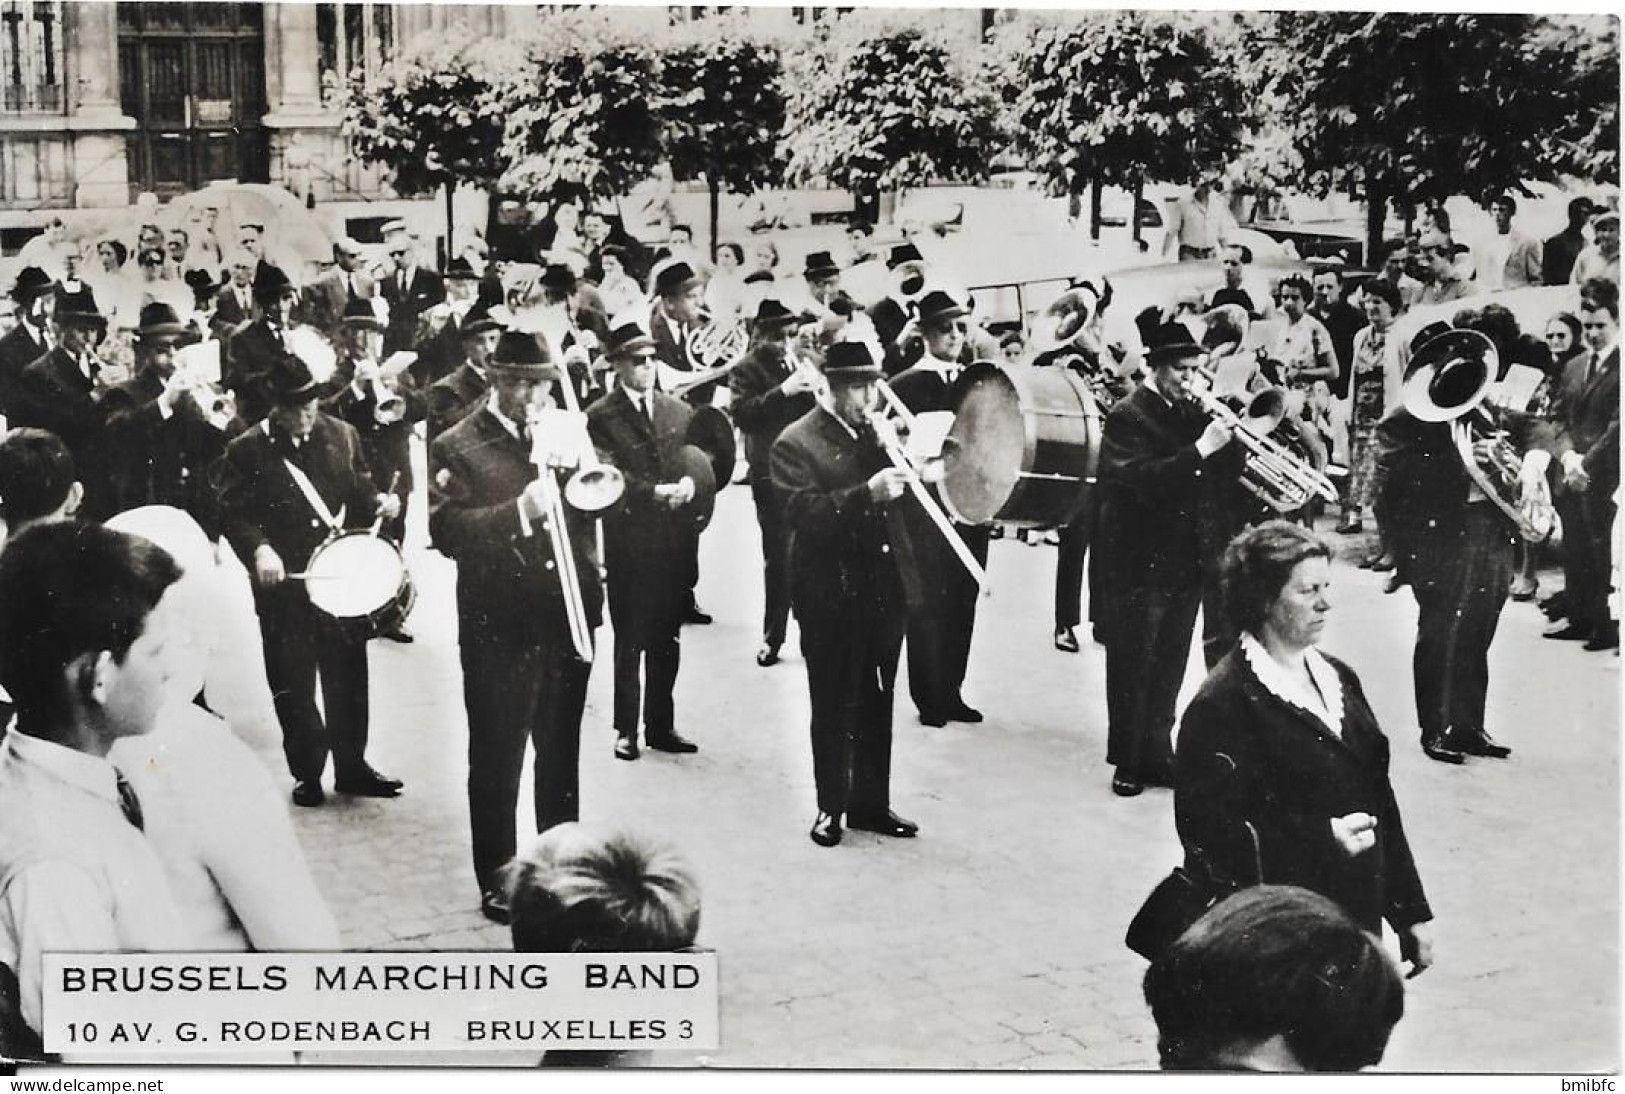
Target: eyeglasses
(397,254)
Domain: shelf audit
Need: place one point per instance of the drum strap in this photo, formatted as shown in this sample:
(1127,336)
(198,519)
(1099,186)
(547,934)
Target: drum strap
(308,488)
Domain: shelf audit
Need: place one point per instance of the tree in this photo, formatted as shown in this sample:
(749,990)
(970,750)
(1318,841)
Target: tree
(723,110)
(1407,107)
(583,114)
(1118,98)
(887,104)
(1585,50)
(434,116)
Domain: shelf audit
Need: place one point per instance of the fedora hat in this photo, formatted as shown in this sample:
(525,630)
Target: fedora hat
(360,312)
(559,278)
(1170,342)
(458,269)
(771,312)
(850,363)
(158,320)
(820,265)
(32,283)
(1450,368)
(270,283)
(478,320)
(522,355)
(675,279)
(626,338)
(903,253)
(287,380)
(77,306)
(937,305)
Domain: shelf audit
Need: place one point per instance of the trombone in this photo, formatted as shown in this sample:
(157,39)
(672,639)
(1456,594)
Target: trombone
(884,424)
(1271,471)
(564,556)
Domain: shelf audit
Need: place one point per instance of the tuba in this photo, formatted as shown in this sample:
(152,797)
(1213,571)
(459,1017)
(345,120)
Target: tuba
(1448,381)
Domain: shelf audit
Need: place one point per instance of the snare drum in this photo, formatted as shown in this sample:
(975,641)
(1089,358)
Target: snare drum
(361,581)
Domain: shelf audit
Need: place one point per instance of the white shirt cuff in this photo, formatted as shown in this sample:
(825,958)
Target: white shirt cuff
(524,521)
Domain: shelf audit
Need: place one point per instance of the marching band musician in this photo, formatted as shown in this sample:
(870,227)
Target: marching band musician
(649,540)
(572,329)
(250,353)
(848,585)
(1163,466)
(62,393)
(439,344)
(164,445)
(676,313)
(770,390)
(940,627)
(285,486)
(890,315)
(1455,547)
(458,394)
(522,678)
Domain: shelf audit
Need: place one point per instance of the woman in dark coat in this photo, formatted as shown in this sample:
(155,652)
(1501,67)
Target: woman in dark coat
(1281,770)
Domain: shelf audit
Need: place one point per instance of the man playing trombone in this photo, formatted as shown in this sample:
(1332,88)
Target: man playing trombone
(523,677)
(850,561)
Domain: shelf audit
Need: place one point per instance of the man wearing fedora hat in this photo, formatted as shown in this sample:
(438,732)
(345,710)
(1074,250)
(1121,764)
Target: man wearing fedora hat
(382,408)
(678,312)
(940,628)
(1164,473)
(522,678)
(248,355)
(439,343)
(851,572)
(164,446)
(62,393)
(460,392)
(650,539)
(890,315)
(29,340)
(1453,545)
(323,300)
(771,390)
(286,485)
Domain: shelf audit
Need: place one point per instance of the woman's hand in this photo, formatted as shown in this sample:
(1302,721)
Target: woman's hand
(1416,946)
(1355,833)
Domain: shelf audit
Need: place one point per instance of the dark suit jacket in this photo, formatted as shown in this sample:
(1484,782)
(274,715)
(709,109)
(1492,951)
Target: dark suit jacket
(1585,419)
(229,314)
(322,302)
(889,318)
(925,390)
(163,461)
(424,292)
(1162,508)
(507,587)
(845,569)
(260,503)
(439,354)
(18,350)
(1247,757)
(761,409)
(244,358)
(386,449)
(648,548)
(451,399)
(55,395)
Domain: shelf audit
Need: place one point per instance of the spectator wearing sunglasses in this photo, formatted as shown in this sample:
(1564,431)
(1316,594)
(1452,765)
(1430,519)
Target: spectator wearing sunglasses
(408,289)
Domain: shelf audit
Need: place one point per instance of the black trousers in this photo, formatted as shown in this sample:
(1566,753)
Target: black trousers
(1069,565)
(1587,520)
(514,692)
(302,645)
(645,676)
(775,561)
(852,677)
(1459,607)
(1148,641)
(940,628)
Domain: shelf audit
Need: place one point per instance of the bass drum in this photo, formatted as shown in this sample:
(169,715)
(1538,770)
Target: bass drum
(1024,446)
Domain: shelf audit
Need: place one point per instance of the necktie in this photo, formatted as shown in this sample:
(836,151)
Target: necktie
(128,803)
(1591,365)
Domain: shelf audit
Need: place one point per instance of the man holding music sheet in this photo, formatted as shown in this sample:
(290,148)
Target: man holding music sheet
(522,676)
(286,486)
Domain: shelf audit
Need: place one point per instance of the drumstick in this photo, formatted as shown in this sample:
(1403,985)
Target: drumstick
(379,523)
(308,576)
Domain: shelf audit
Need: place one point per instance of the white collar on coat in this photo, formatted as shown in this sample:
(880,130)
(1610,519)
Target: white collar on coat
(1324,702)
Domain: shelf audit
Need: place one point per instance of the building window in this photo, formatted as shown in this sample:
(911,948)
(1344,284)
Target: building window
(353,39)
(31,55)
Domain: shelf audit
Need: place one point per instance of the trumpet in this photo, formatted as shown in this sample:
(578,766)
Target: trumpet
(884,425)
(1271,471)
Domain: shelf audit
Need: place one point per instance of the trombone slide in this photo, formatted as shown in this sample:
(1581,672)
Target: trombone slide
(916,487)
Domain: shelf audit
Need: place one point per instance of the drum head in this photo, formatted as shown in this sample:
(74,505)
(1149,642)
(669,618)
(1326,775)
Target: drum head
(354,576)
(985,449)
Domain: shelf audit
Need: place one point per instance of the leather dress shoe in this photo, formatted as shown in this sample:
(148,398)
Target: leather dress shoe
(826,830)
(935,721)
(494,906)
(1479,744)
(370,784)
(1125,787)
(768,655)
(1394,583)
(671,742)
(1066,640)
(1605,638)
(1555,606)
(697,617)
(964,712)
(1438,748)
(308,793)
(1569,632)
(1383,563)
(886,824)
(400,634)
(1524,589)
(626,748)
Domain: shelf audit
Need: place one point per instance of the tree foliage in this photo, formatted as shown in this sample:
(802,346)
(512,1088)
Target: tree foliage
(723,104)
(1586,51)
(886,104)
(1119,98)
(435,114)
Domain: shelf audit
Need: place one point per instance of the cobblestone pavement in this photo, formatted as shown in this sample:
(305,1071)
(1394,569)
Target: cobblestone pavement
(995,939)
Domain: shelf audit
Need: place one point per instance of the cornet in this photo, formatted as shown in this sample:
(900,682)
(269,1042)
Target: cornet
(1271,471)
(388,405)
